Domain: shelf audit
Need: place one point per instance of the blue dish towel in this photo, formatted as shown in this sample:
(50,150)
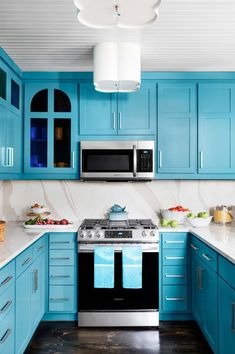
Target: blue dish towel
(104,267)
(132,267)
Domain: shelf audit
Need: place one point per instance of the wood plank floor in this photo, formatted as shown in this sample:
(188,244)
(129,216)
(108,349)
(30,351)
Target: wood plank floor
(66,338)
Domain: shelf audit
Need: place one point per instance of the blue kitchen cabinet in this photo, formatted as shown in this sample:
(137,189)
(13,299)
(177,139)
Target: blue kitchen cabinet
(177,127)
(51,130)
(122,113)
(216,124)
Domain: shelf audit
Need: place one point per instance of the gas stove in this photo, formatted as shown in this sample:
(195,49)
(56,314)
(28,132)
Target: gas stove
(104,230)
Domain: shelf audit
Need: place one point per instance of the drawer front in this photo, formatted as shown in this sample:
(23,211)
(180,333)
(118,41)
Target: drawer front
(174,298)
(174,257)
(7,334)
(7,276)
(62,241)
(62,299)
(39,247)
(174,240)
(24,260)
(207,254)
(7,302)
(61,275)
(61,257)
(227,271)
(173,275)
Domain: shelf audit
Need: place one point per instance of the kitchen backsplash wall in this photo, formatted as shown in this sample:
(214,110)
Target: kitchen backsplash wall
(76,200)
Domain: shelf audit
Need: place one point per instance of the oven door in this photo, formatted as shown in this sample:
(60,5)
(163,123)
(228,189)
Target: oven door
(118,298)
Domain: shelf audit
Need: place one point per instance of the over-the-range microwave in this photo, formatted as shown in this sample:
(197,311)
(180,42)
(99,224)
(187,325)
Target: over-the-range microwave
(117,160)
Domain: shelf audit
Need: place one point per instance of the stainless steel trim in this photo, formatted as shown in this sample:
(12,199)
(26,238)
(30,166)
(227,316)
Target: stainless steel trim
(5,281)
(26,261)
(114,120)
(59,299)
(169,257)
(118,319)
(89,248)
(171,241)
(5,336)
(160,158)
(201,159)
(175,298)
(193,247)
(134,161)
(233,317)
(6,306)
(206,257)
(120,120)
(174,275)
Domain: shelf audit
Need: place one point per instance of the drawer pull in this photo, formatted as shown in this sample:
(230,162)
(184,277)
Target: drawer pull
(194,247)
(40,248)
(233,317)
(60,258)
(60,276)
(171,241)
(171,257)
(199,277)
(59,299)
(5,281)
(35,280)
(207,257)
(60,242)
(175,298)
(174,275)
(29,259)
(6,306)
(5,336)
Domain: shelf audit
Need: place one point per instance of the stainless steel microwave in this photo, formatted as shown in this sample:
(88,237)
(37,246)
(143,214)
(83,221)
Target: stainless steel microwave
(117,160)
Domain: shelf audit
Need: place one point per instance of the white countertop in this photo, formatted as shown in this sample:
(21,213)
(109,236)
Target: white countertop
(220,238)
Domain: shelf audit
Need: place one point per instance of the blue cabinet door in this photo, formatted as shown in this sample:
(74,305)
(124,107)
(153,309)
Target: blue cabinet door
(23,311)
(3,115)
(216,113)
(38,290)
(226,314)
(197,301)
(137,111)
(98,111)
(177,127)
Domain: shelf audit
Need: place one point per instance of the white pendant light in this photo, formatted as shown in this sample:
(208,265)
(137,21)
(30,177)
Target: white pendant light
(117,67)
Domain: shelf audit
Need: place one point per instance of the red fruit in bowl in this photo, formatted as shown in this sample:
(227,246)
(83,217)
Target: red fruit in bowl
(57,222)
(64,222)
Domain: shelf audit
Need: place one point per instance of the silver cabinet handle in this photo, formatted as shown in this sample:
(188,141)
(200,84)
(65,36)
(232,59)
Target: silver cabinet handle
(114,120)
(201,159)
(35,280)
(59,299)
(40,248)
(5,281)
(199,275)
(60,258)
(175,298)
(60,242)
(207,258)
(73,159)
(6,306)
(5,336)
(29,259)
(174,275)
(60,276)
(194,247)
(171,241)
(3,156)
(233,317)
(169,257)
(134,160)
(160,158)
(11,151)
(120,120)
(7,157)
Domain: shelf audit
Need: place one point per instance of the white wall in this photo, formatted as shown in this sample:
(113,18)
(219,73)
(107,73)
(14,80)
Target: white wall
(77,200)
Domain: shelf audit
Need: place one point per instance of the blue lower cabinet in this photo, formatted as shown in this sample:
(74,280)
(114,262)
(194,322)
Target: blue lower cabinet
(62,257)
(62,299)
(61,275)
(7,328)
(174,275)
(174,298)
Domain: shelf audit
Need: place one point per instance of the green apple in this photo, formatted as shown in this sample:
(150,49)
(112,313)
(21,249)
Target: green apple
(190,216)
(203,214)
(164,222)
(174,223)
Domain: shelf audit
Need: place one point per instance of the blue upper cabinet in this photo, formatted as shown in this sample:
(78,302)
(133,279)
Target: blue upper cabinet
(51,122)
(177,127)
(216,112)
(122,113)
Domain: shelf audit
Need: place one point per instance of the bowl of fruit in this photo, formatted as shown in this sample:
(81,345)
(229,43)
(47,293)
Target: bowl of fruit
(202,219)
(177,213)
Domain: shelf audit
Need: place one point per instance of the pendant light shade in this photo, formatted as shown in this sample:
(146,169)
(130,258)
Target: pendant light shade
(117,67)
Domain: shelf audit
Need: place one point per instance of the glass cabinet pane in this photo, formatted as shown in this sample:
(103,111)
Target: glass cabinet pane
(38,142)
(62,142)
(15,94)
(39,101)
(61,101)
(3,84)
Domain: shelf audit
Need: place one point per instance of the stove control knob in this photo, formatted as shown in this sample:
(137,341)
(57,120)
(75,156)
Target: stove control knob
(144,233)
(91,234)
(98,234)
(153,233)
(82,234)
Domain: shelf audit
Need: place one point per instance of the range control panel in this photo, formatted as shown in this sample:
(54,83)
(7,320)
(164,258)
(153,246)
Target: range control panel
(118,234)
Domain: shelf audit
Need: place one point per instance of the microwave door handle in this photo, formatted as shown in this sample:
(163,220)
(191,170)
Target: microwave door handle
(134,161)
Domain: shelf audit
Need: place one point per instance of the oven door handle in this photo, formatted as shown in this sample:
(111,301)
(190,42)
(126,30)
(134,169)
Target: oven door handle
(91,250)
(134,161)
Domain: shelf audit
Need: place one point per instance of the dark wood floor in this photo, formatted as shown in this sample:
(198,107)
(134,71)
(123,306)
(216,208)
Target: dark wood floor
(66,338)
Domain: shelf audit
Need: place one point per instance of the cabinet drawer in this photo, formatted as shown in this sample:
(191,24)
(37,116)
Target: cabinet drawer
(174,240)
(39,247)
(7,302)
(7,334)
(175,298)
(60,241)
(174,275)
(61,275)
(207,254)
(24,260)
(174,257)
(7,276)
(61,257)
(62,299)
(227,271)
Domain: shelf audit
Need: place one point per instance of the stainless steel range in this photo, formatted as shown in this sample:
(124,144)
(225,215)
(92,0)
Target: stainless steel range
(118,306)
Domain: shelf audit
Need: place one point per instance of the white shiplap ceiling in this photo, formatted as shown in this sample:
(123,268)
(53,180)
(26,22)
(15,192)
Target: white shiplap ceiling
(190,35)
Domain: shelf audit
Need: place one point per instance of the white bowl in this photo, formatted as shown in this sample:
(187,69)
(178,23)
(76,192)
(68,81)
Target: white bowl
(200,222)
(39,210)
(180,216)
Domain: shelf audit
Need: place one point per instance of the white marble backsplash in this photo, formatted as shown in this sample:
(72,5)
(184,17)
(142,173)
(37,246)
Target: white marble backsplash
(76,200)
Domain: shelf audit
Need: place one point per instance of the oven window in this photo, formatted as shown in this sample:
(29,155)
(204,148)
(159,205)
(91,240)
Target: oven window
(107,160)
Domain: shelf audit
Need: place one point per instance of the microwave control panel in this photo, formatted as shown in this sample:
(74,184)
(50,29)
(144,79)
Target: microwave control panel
(144,160)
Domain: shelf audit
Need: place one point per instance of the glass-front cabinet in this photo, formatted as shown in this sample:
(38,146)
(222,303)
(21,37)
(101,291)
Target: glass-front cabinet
(51,128)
